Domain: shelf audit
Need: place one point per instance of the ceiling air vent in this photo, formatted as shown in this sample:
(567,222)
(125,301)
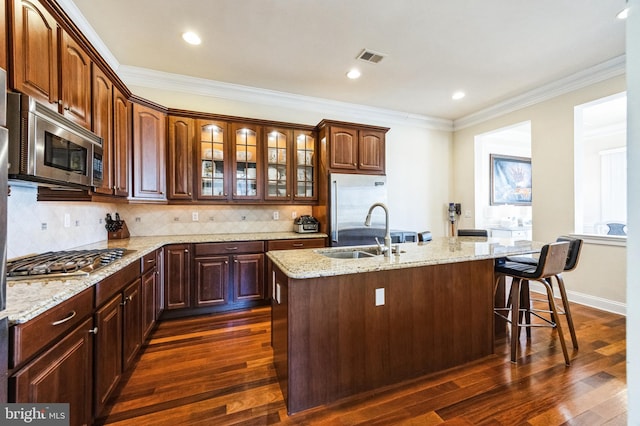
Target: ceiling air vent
(370,56)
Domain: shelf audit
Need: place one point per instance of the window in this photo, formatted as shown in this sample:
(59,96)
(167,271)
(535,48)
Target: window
(601,166)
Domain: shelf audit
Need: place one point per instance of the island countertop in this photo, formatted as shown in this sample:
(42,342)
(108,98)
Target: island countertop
(311,263)
(27,299)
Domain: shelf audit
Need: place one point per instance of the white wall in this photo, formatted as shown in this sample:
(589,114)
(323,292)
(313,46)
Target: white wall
(600,278)
(633,207)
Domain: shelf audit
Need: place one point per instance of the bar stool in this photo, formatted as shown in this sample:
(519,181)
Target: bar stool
(551,262)
(575,247)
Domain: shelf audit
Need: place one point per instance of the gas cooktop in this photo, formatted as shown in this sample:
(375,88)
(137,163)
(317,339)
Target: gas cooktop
(61,263)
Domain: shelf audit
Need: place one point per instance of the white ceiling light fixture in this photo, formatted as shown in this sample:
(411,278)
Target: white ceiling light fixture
(191,38)
(458,95)
(354,74)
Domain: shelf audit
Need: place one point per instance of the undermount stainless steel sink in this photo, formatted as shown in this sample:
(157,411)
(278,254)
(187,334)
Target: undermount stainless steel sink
(356,253)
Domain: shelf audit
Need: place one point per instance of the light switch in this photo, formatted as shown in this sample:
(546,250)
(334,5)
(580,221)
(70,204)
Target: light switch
(379,296)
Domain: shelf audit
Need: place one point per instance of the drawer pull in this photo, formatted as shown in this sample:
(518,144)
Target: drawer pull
(298,244)
(150,260)
(65,319)
(232,248)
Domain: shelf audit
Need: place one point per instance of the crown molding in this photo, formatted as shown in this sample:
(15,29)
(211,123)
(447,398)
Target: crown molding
(89,32)
(144,77)
(601,72)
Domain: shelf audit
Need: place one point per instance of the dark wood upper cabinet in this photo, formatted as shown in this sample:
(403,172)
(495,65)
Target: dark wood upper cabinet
(35,52)
(180,158)
(352,148)
(121,144)
(212,166)
(48,64)
(102,120)
(149,147)
(75,81)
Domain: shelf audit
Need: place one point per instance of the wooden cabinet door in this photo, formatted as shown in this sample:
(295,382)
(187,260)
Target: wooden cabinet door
(344,148)
(35,52)
(149,146)
(371,150)
(248,277)
(149,282)
(62,374)
(159,283)
(102,120)
(211,280)
(212,167)
(108,351)
(177,276)
(278,176)
(305,159)
(75,78)
(246,157)
(121,143)
(180,158)
(132,323)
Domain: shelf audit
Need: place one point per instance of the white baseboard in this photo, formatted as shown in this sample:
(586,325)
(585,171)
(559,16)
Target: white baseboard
(586,299)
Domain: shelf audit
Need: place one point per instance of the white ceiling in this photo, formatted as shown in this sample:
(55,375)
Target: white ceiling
(493,50)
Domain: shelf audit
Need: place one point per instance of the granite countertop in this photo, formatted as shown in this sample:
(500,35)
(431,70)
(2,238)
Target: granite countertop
(27,299)
(311,263)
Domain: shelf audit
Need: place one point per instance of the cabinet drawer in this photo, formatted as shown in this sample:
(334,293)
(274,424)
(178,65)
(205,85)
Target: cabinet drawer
(148,262)
(116,282)
(31,337)
(300,243)
(229,248)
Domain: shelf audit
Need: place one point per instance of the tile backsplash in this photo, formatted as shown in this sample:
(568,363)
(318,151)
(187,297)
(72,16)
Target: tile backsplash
(37,227)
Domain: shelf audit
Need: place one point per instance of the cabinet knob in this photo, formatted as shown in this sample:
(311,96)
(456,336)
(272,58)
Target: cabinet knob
(189,194)
(94,330)
(186,250)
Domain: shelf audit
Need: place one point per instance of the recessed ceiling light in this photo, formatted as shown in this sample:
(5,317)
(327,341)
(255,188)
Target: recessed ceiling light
(353,74)
(457,95)
(191,38)
(623,14)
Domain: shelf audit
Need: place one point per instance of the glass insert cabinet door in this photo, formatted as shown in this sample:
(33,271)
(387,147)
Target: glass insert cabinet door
(304,160)
(245,157)
(211,155)
(278,148)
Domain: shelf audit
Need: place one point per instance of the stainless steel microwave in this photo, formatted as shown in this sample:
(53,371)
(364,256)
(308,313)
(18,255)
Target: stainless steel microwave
(47,148)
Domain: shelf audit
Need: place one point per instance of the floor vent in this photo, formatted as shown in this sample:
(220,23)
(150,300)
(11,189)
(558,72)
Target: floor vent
(370,56)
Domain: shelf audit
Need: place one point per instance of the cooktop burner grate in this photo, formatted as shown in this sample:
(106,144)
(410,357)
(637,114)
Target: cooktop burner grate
(61,263)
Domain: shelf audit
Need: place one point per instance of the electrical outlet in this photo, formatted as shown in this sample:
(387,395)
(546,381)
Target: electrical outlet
(137,219)
(194,216)
(67,220)
(243,218)
(294,214)
(467,213)
(77,223)
(176,219)
(276,215)
(43,226)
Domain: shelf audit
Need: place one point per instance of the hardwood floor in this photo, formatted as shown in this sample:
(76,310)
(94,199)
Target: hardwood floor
(217,370)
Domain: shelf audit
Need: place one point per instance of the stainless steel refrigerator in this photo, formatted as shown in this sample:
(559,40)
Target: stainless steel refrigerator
(350,197)
(4,352)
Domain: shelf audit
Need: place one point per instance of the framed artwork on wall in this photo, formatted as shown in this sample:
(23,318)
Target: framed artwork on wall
(510,180)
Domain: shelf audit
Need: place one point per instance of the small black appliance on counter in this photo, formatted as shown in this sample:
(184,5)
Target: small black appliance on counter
(304,224)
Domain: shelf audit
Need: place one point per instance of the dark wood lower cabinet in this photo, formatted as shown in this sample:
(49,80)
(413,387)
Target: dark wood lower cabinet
(211,281)
(62,374)
(177,276)
(108,345)
(248,277)
(149,287)
(132,321)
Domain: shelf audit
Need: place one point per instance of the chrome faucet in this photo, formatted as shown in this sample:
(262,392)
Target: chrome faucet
(387,234)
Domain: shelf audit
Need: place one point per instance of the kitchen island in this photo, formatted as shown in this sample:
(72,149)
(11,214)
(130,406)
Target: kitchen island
(345,326)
